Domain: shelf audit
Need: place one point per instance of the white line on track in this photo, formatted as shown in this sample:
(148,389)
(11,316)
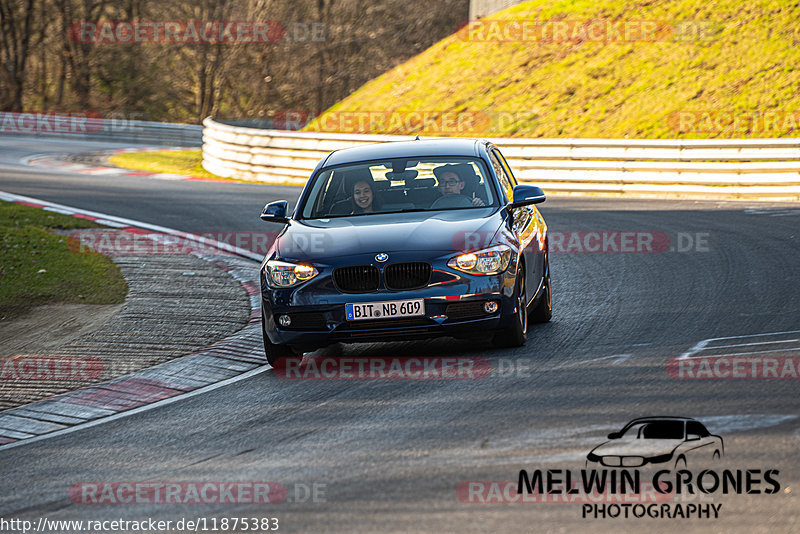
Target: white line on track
(140,409)
(752,344)
(726,355)
(618,358)
(105,218)
(702,345)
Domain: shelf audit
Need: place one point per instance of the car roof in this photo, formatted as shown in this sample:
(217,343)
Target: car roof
(406,149)
(660,418)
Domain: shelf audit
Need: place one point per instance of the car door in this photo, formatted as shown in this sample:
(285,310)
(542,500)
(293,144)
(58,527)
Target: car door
(528,225)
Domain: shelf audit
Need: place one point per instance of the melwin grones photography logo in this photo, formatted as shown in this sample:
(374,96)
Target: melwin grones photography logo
(639,469)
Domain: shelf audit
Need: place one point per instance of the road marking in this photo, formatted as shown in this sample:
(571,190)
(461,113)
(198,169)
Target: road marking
(752,344)
(105,218)
(729,354)
(703,345)
(618,358)
(140,409)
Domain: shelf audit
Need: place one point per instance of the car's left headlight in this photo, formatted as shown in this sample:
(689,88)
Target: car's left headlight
(492,260)
(282,274)
(660,459)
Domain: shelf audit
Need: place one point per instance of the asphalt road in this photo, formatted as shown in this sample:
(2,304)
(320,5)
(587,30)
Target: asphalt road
(389,455)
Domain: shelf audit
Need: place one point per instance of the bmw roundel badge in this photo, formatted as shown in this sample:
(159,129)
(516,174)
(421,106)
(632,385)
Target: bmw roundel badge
(382,257)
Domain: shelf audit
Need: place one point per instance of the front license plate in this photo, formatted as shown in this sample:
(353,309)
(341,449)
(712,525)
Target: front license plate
(384,310)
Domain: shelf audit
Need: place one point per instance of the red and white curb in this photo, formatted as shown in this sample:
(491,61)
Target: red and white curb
(61,163)
(230,360)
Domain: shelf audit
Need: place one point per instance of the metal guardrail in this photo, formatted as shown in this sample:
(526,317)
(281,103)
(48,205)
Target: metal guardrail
(79,126)
(718,168)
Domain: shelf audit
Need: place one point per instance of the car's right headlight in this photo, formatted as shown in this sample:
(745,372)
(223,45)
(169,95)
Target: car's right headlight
(282,274)
(492,260)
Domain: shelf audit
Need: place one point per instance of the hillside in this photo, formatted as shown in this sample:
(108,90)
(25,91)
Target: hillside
(578,68)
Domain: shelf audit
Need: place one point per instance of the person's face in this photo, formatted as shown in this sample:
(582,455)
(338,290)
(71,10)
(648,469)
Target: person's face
(362,195)
(450,184)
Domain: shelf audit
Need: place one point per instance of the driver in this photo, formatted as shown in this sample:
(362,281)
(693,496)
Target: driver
(450,183)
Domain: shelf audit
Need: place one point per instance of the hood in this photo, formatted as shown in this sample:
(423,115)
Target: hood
(431,231)
(637,447)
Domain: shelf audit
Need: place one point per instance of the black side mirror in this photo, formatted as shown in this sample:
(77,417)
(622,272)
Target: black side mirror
(527,194)
(275,212)
(615,435)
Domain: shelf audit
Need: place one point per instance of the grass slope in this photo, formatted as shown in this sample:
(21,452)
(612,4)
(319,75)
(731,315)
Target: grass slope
(708,59)
(28,246)
(188,162)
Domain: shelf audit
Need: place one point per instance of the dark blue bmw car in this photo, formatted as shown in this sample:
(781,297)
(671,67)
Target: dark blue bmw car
(406,240)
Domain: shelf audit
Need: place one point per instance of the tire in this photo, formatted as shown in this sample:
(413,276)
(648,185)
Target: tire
(518,333)
(543,311)
(275,353)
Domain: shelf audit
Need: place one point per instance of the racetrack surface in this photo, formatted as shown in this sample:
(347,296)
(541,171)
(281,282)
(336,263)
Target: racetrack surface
(392,453)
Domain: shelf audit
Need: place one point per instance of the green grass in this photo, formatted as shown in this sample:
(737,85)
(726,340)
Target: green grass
(28,245)
(745,59)
(187,162)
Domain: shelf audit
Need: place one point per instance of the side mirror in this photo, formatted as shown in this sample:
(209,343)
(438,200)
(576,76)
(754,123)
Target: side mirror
(275,212)
(527,194)
(615,435)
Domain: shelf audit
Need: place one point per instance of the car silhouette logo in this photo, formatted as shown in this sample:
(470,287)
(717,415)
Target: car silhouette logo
(675,441)
(382,257)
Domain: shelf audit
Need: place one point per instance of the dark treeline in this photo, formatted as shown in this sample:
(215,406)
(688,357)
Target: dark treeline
(83,56)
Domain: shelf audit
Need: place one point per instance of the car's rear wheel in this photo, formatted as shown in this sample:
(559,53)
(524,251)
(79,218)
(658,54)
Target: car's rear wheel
(518,333)
(543,311)
(275,353)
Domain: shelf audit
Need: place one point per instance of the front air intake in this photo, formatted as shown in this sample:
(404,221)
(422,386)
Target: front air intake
(356,278)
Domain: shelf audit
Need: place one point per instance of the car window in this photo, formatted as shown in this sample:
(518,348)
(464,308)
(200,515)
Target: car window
(696,428)
(663,430)
(506,167)
(396,185)
(499,170)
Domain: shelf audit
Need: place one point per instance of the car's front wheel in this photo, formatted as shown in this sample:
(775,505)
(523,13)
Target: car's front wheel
(518,333)
(274,352)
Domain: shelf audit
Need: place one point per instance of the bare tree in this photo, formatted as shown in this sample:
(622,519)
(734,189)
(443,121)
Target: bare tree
(16,31)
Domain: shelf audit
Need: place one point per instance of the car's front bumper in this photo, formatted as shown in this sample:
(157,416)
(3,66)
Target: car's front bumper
(451,309)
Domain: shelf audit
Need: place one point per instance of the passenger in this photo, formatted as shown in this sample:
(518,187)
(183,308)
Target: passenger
(450,183)
(365,199)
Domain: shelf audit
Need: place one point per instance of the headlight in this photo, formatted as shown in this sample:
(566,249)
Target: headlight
(281,274)
(659,459)
(492,260)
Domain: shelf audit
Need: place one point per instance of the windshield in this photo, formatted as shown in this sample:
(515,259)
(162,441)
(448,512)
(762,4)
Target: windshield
(396,185)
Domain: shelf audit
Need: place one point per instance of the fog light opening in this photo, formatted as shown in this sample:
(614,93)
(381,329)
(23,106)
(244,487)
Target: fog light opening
(285,320)
(490,306)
